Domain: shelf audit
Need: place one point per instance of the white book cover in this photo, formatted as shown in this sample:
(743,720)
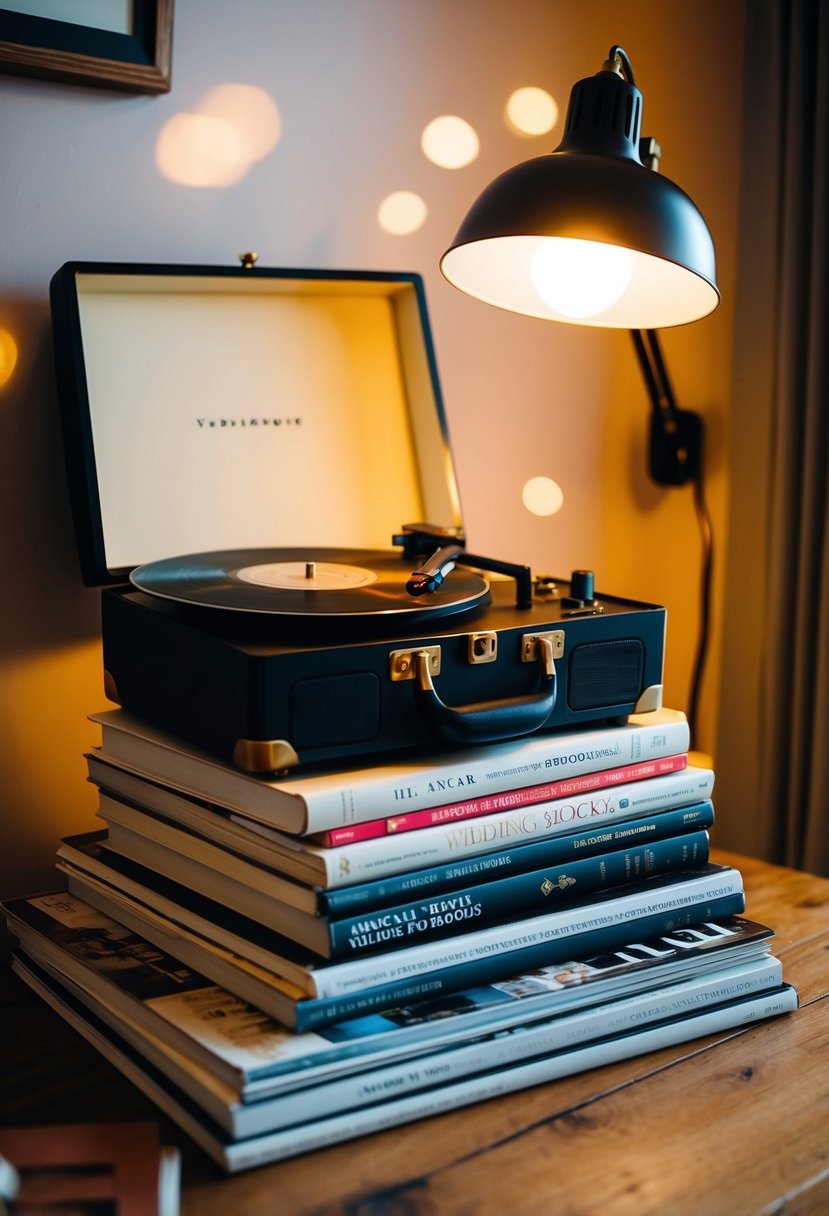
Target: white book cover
(447,1063)
(260,1057)
(384,855)
(237,1155)
(316,802)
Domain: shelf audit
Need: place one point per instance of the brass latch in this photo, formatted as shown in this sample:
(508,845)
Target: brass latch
(529,644)
(402,662)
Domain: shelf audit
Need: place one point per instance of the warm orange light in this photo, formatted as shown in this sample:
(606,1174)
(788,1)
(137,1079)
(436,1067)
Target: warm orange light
(450,142)
(542,496)
(402,213)
(215,145)
(196,150)
(531,111)
(580,279)
(8,356)
(250,111)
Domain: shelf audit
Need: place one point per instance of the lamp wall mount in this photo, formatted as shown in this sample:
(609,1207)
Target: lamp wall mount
(676,435)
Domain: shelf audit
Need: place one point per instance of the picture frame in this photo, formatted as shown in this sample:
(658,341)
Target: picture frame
(133,55)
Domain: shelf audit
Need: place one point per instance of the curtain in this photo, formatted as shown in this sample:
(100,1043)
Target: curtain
(773,747)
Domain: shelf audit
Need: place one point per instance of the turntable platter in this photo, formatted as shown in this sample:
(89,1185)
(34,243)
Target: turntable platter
(333,583)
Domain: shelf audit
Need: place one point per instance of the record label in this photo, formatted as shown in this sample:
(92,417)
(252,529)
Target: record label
(307,576)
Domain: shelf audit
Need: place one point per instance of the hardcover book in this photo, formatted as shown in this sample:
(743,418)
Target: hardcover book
(336,798)
(204,826)
(255,890)
(302,1100)
(471,808)
(234,1155)
(349,988)
(378,858)
(259,1057)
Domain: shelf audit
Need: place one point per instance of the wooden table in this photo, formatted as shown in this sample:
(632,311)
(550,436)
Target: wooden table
(735,1123)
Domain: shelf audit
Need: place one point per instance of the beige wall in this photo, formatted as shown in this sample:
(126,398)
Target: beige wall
(355,83)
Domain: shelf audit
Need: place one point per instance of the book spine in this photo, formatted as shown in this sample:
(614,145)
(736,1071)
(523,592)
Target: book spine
(344,978)
(499,1081)
(428,846)
(511,800)
(549,1037)
(313,1014)
(397,888)
(255,1151)
(308,804)
(496,768)
(508,899)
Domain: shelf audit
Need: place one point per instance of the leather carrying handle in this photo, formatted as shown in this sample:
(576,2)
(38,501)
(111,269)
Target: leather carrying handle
(487,721)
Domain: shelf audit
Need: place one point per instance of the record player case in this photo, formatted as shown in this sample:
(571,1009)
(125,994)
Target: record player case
(297,413)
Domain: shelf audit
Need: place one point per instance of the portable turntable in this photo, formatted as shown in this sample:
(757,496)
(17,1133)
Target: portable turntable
(245,448)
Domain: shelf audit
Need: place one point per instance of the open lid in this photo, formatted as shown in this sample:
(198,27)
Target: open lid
(210,408)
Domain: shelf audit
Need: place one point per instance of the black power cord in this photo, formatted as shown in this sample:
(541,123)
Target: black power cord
(675,458)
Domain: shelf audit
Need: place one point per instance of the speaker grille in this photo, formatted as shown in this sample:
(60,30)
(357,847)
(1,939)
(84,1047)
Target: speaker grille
(334,710)
(604,674)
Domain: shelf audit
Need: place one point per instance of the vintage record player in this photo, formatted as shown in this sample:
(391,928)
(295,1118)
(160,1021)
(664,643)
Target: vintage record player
(246,448)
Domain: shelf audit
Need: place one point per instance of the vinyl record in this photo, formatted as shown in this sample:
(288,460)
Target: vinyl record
(339,583)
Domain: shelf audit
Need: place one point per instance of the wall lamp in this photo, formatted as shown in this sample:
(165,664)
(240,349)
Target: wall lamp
(593,234)
(589,234)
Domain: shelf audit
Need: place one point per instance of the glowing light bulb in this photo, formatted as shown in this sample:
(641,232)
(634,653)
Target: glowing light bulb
(580,278)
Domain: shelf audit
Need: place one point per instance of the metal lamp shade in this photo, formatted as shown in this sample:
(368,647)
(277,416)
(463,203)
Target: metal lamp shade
(592,188)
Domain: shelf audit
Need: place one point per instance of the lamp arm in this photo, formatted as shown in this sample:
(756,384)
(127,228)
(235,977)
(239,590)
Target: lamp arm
(675,458)
(675,434)
(654,371)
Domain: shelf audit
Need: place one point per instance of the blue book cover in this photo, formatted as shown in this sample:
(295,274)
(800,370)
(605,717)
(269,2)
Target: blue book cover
(257,1055)
(311,1014)
(513,898)
(399,888)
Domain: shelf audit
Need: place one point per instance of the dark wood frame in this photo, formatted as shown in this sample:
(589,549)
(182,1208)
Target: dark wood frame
(78,54)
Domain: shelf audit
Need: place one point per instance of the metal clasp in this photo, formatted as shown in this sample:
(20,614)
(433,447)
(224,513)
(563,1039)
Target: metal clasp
(402,662)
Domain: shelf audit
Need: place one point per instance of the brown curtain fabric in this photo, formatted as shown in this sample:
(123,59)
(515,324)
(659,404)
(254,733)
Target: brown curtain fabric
(773,754)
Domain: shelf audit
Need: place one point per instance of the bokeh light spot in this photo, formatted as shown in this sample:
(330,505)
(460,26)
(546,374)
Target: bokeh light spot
(531,111)
(542,496)
(196,150)
(450,142)
(215,145)
(8,356)
(250,111)
(402,213)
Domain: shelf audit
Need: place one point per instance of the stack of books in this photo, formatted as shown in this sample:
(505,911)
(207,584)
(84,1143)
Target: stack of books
(286,963)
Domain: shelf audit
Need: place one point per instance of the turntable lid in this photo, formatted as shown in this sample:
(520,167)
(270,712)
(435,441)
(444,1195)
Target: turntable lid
(214,408)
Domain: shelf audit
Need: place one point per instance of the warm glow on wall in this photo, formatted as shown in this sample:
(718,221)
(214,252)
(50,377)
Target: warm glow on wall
(450,142)
(233,127)
(8,356)
(196,150)
(542,496)
(250,111)
(531,111)
(402,213)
